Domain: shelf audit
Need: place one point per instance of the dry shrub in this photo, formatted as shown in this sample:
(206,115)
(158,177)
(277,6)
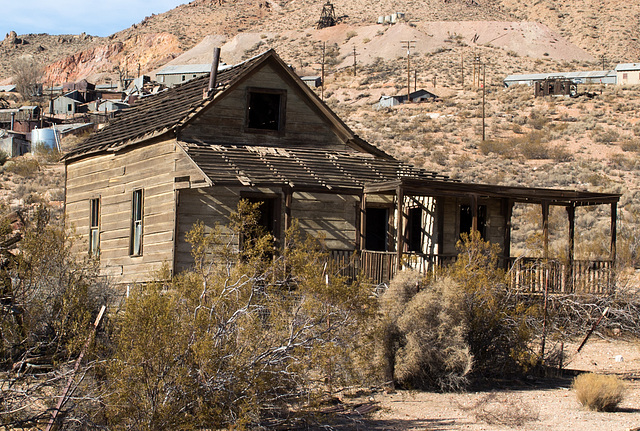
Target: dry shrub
(510,411)
(501,148)
(423,334)
(25,166)
(598,392)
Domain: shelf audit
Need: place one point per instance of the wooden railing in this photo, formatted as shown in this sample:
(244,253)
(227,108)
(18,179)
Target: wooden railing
(584,276)
(529,274)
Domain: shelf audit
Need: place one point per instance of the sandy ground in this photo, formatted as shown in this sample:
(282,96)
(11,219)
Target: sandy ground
(533,404)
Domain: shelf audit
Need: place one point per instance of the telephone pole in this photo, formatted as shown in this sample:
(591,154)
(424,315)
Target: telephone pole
(324,45)
(409,44)
(354,61)
(484,75)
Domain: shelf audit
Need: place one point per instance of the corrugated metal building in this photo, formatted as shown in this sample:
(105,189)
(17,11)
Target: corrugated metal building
(581,77)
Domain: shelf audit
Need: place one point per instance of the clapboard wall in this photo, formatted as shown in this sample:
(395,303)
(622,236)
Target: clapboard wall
(112,178)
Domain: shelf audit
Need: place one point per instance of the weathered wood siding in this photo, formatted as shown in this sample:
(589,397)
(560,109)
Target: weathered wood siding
(495,227)
(321,214)
(112,178)
(224,122)
(327,215)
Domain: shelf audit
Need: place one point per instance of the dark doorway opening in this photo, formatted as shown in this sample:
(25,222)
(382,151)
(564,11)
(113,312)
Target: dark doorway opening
(377,228)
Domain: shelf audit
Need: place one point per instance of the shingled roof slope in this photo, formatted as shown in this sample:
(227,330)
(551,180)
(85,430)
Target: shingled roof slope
(160,112)
(295,167)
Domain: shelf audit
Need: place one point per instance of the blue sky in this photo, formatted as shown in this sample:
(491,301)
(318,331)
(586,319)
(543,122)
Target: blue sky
(94,17)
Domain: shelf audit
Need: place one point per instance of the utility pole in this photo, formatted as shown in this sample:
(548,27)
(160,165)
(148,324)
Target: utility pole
(354,60)
(324,45)
(484,75)
(415,80)
(462,70)
(410,44)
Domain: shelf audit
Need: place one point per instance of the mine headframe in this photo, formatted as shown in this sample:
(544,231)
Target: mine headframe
(327,17)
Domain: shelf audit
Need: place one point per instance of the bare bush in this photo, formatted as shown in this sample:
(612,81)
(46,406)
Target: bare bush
(506,410)
(27,73)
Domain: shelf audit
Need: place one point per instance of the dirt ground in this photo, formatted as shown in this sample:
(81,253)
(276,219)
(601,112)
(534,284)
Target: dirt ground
(532,404)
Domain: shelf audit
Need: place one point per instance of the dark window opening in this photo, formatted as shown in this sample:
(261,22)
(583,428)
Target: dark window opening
(135,248)
(94,228)
(69,108)
(466,219)
(414,230)
(377,228)
(267,217)
(265,110)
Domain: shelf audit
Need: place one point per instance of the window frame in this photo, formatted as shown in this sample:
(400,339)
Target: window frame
(137,223)
(94,227)
(282,109)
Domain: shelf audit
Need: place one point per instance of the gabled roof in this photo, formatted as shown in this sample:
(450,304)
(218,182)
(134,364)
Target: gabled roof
(297,168)
(168,110)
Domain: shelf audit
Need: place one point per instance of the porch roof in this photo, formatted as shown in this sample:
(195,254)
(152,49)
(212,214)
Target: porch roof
(298,168)
(435,187)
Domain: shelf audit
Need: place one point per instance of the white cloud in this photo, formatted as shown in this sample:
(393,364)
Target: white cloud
(98,18)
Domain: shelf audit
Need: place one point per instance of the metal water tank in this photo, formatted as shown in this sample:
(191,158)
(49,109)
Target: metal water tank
(394,18)
(46,137)
(381,19)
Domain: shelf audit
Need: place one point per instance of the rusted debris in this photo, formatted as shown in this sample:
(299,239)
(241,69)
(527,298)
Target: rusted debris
(593,328)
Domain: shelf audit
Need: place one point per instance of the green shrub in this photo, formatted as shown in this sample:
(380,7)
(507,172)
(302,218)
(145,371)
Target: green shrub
(598,392)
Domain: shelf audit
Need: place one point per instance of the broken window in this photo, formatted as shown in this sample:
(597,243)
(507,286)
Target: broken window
(136,223)
(94,227)
(265,109)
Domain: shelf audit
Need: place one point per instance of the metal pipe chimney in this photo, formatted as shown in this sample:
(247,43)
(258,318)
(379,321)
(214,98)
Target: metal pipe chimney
(13,119)
(213,76)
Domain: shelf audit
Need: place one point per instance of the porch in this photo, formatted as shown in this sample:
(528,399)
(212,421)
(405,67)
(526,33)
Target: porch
(425,218)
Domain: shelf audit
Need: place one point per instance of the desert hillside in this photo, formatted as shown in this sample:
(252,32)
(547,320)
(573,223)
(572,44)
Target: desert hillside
(544,29)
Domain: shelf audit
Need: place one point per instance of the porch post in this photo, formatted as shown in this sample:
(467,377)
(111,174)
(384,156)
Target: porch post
(474,213)
(288,196)
(363,221)
(400,228)
(507,210)
(358,223)
(571,215)
(545,228)
(614,230)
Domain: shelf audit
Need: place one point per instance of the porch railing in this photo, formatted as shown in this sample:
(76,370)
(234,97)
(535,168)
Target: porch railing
(528,274)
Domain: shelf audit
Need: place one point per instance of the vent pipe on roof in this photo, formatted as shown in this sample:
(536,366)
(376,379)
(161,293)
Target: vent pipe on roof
(214,72)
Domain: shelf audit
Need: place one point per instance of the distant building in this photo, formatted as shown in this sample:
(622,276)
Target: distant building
(13,143)
(312,81)
(628,73)
(181,73)
(584,77)
(417,96)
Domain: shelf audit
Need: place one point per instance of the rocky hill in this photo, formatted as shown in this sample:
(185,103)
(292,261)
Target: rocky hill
(546,28)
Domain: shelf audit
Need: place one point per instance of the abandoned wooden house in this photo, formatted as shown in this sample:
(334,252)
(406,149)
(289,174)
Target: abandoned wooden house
(256,131)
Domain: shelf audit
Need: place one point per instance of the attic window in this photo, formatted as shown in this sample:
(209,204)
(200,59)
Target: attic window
(265,109)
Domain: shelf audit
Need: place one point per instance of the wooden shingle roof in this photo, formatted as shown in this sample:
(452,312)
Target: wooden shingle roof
(159,113)
(296,167)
